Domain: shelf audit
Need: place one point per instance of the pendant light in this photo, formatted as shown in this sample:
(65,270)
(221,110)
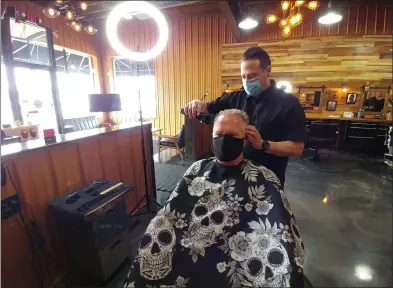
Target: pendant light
(248,23)
(330,17)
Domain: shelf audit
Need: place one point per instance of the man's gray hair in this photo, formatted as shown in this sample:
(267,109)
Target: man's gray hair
(233,111)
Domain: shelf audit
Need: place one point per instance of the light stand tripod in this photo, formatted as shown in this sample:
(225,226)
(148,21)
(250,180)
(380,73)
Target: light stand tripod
(146,197)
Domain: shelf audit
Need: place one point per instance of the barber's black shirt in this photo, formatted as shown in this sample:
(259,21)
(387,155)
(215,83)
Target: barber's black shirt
(277,115)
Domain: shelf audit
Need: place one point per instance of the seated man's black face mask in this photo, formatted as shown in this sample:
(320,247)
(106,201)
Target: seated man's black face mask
(226,147)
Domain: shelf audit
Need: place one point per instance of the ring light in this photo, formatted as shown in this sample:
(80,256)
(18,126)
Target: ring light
(124,9)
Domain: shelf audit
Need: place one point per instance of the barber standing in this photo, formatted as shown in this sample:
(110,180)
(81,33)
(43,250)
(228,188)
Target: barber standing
(277,127)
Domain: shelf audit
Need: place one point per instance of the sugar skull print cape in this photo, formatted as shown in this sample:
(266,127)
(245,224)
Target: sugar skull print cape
(222,227)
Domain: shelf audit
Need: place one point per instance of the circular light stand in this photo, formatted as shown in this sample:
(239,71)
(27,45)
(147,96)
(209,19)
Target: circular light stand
(126,8)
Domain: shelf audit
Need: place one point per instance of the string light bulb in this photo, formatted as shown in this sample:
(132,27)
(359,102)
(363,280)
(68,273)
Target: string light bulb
(90,29)
(285,5)
(59,1)
(271,18)
(299,3)
(313,5)
(286,31)
(51,12)
(283,23)
(76,26)
(83,6)
(69,15)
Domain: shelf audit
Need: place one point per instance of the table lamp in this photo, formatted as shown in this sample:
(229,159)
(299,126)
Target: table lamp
(106,103)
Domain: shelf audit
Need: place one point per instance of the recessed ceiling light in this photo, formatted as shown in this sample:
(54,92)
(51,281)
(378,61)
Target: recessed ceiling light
(248,23)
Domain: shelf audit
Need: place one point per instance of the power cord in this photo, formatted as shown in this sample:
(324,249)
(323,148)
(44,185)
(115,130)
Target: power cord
(36,240)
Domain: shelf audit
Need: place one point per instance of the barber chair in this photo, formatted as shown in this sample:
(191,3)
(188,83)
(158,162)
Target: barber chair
(176,142)
(321,134)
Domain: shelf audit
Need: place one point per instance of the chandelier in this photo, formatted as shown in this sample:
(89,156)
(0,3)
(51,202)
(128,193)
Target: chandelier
(291,15)
(74,14)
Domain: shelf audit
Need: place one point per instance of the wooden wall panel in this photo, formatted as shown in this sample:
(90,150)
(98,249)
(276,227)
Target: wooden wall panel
(357,20)
(188,66)
(43,174)
(329,61)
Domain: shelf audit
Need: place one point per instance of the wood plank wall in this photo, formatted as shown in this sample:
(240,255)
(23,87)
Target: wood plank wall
(187,67)
(316,61)
(68,38)
(329,60)
(357,20)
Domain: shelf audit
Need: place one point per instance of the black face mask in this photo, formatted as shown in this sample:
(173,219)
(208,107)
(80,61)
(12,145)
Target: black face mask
(226,148)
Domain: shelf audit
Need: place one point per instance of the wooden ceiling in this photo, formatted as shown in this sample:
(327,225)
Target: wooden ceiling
(233,10)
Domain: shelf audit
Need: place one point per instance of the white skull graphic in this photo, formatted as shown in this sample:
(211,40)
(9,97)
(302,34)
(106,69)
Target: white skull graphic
(209,216)
(269,264)
(156,250)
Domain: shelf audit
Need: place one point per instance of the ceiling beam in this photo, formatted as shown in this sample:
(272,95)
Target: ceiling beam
(231,21)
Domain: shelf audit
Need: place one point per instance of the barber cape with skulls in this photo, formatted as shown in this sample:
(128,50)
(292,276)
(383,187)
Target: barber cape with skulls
(209,216)
(156,250)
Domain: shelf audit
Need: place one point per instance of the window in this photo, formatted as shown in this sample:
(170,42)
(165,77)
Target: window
(75,82)
(29,43)
(6,111)
(127,81)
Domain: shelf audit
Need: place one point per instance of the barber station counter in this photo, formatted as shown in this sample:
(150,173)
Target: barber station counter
(42,172)
(360,134)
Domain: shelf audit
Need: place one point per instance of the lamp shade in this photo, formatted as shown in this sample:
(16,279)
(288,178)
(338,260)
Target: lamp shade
(104,102)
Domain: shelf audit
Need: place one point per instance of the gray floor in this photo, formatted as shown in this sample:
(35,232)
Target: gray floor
(346,223)
(345,220)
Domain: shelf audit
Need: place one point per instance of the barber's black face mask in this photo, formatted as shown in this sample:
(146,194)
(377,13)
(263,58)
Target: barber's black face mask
(226,148)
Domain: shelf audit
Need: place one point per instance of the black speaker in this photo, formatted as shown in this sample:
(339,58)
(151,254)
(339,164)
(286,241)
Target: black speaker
(92,223)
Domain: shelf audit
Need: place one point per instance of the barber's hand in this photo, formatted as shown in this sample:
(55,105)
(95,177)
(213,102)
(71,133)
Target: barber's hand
(194,108)
(254,137)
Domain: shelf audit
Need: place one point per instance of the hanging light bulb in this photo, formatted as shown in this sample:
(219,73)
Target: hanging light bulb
(76,26)
(283,23)
(90,29)
(292,21)
(83,6)
(313,5)
(51,12)
(271,18)
(286,31)
(59,1)
(285,5)
(299,3)
(69,15)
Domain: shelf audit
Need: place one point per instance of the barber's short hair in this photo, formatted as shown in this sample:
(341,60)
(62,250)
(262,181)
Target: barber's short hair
(259,54)
(233,111)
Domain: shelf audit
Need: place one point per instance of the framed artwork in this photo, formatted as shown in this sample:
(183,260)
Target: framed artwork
(331,105)
(351,98)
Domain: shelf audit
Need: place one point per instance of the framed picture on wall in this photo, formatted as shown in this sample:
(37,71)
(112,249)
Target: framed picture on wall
(351,98)
(331,105)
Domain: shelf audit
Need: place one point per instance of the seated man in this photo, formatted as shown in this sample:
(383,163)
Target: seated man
(227,224)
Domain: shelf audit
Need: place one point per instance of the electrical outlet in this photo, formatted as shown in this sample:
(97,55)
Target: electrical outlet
(10,206)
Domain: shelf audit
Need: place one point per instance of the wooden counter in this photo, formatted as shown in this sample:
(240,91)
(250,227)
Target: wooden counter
(323,116)
(43,172)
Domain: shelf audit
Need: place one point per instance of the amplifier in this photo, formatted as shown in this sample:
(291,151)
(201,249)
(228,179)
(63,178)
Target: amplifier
(92,223)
